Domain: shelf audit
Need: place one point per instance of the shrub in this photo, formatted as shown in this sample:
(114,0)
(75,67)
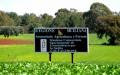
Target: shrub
(11,30)
(30,68)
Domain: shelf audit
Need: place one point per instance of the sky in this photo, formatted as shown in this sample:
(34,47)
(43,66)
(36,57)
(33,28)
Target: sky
(51,6)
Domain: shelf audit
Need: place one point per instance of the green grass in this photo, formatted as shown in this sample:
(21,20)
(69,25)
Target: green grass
(97,53)
(93,40)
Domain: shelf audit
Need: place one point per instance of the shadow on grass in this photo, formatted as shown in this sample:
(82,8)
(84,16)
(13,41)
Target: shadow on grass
(99,44)
(106,44)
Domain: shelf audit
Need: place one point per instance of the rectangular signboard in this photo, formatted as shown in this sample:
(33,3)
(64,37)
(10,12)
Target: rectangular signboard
(61,39)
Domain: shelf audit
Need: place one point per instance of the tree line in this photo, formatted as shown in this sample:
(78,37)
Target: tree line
(99,19)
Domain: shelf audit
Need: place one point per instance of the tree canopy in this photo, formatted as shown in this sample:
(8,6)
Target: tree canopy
(68,18)
(62,18)
(5,20)
(15,18)
(46,20)
(109,26)
(96,9)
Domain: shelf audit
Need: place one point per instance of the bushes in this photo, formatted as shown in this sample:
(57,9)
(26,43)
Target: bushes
(11,30)
(31,68)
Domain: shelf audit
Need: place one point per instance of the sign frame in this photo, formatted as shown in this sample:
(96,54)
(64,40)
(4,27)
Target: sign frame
(64,28)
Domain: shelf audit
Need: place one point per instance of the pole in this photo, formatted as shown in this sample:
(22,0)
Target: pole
(72,57)
(50,56)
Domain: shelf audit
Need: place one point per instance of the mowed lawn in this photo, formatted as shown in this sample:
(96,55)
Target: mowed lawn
(97,53)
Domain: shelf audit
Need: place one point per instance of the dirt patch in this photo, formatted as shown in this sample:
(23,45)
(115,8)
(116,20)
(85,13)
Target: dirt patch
(14,42)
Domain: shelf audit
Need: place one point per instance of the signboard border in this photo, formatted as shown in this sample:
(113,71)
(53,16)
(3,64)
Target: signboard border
(65,28)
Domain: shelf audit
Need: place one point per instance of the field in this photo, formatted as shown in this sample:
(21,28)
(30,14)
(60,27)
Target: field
(21,59)
(97,53)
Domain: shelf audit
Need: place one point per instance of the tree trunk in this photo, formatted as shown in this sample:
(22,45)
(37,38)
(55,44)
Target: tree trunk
(112,41)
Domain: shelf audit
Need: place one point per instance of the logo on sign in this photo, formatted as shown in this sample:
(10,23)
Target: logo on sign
(43,45)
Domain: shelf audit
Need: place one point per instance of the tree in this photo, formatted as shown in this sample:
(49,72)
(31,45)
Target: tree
(34,21)
(46,20)
(5,20)
(30,21)
(76,19)
(68,18)
(109,26)
(10,30)
(15,17)
(25,20)
(96,10)
(62,18)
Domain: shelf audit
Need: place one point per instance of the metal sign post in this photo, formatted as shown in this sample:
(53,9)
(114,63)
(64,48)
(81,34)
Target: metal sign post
(72,57)
(50,54)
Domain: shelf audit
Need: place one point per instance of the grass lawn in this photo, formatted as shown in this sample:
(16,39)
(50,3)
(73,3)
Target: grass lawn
(97,53)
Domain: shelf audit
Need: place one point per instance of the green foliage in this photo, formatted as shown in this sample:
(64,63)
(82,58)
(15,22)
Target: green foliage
(109,26)
(76,19)
(46,20)
(62,18)
(29,19)
(96,10)
(5,20)
(28,68)
(11,30)
(90,18)
(68,18)
(100,9)
(29,22)
(15,17)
